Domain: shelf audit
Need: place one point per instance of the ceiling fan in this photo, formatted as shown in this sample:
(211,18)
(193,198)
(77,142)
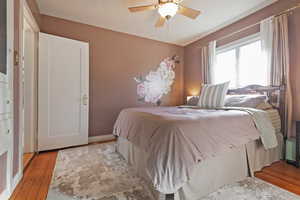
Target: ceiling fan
(167,9)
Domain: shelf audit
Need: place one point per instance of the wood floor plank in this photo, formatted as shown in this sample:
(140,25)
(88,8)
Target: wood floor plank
(43,191)
(37,178)
(30,178)
(27,157)
(279,182)
(285,172)
(25,182)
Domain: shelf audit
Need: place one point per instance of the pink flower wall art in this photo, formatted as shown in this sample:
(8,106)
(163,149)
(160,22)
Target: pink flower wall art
(156,84)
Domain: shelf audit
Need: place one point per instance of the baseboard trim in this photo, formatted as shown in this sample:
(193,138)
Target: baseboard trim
(101,138)
(5,194)
(16,181)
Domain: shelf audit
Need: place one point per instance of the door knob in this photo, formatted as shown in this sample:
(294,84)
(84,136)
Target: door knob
(85,100)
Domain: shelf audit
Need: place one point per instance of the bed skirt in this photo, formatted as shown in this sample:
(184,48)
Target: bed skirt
(211,174)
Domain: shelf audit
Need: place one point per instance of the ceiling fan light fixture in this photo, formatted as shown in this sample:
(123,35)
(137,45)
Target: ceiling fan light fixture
(168,10)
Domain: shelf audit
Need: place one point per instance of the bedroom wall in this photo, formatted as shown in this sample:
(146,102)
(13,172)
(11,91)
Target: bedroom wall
(192,54)
(115,58)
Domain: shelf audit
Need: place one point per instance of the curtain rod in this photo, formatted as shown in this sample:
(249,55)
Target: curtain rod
(287,11)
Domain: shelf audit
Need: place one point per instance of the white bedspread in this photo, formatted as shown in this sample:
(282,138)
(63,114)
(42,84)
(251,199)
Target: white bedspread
(176,139)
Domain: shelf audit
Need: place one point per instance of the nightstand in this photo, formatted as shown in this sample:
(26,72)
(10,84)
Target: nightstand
(293,148)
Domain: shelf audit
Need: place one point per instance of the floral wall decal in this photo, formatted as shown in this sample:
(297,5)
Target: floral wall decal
(156,84)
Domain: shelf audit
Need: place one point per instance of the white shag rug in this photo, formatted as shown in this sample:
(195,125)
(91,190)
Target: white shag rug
(98,172)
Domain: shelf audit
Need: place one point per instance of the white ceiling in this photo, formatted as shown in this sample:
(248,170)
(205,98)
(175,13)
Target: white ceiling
(114,15)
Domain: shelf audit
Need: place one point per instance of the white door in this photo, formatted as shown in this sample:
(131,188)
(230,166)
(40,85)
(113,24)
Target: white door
(6,92)
(63,92)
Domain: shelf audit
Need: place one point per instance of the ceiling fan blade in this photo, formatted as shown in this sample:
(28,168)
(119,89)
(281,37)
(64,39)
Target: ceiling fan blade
(160,22)
(189,12)
(142,8)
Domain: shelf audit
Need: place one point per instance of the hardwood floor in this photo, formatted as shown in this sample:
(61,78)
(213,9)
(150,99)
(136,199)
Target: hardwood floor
(37,177)
(283,175)
(27,157)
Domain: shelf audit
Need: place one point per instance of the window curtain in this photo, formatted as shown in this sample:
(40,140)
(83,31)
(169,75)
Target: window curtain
(275,46)
(208,57)
(266,33)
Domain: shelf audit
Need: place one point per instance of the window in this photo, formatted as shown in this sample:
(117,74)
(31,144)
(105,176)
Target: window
(242,63)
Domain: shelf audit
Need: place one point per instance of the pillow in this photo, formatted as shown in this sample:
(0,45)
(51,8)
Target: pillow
(264,106)
(213,96)
(250,101)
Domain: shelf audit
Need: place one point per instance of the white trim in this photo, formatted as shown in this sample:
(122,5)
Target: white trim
(30,18)
(16,180)
(20,94)
(229,22)
(31,22)
(5,194)
(101,138)
(25,14)
(10,73)
(239,43)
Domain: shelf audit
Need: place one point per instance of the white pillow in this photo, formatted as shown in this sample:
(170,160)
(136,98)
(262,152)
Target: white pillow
(213,96)
(249,101)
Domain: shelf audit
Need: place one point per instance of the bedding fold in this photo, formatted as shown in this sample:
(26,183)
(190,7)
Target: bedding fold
(263,125)
(177,139)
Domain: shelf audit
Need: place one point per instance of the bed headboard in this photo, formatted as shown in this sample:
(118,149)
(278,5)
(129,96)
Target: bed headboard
(275,94)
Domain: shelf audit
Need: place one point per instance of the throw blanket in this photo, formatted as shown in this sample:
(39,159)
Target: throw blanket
(177,139)
(263,124)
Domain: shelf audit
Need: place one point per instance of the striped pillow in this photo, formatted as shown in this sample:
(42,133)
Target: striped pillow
(213,96)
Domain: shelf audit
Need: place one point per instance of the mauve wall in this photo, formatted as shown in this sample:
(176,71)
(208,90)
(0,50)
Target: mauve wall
(115,58)
(192,53)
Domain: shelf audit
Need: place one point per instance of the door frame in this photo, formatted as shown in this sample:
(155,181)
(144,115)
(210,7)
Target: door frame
(16,57)
(28,16)
(25,14)
(24,11)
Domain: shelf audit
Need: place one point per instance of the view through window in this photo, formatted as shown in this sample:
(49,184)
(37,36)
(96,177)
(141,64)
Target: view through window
(242,64)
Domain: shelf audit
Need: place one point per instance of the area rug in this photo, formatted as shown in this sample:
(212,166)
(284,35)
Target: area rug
(98,172)
(251,189)
(95,172)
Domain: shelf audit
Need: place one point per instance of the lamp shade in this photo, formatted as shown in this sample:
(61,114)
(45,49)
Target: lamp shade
(168,9)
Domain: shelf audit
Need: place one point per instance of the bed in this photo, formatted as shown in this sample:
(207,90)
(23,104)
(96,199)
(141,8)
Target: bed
(172,165)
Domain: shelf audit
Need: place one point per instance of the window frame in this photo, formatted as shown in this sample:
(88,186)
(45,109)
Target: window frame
(238,44)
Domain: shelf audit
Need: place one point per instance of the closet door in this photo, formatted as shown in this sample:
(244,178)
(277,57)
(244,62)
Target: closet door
(6,92)
(63,92)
